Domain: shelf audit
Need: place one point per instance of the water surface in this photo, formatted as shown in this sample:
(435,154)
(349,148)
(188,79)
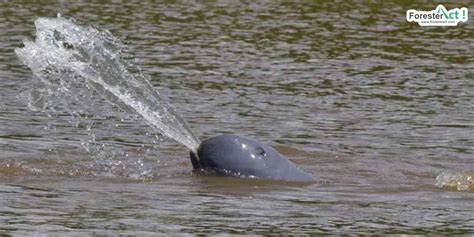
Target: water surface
(376,108)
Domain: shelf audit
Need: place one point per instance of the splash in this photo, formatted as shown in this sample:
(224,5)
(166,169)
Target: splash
(463,181)
(65,54)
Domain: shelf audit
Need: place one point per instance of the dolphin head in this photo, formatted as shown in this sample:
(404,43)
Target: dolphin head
(240,156)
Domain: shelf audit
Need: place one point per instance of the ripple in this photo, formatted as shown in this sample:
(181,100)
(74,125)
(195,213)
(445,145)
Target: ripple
(460,181)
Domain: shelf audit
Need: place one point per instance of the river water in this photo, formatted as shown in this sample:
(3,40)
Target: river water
(379,110)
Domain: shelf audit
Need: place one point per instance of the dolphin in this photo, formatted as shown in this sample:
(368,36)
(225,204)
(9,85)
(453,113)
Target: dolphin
(239,156)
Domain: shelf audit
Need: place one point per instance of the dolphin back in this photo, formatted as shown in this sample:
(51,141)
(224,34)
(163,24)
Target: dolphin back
(243,157)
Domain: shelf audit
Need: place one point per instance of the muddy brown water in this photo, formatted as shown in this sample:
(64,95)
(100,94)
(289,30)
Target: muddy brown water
(373,106)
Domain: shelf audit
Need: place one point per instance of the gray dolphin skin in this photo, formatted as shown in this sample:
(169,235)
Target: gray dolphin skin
(243,157)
